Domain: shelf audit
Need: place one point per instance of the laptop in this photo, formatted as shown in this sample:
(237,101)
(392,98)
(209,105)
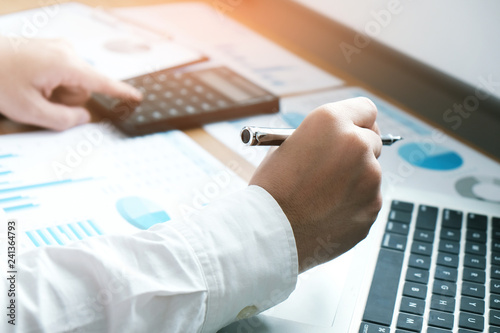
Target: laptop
(431,262)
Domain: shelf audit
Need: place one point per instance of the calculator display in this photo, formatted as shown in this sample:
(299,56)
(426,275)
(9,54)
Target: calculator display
(230,87)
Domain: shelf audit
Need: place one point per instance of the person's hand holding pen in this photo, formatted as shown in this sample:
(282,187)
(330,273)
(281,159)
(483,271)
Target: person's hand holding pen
(44,83)
(326,178)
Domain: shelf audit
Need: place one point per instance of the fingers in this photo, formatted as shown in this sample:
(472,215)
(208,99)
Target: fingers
(93,81)
(57,116)
(82,76)
(373,140)
(360,110)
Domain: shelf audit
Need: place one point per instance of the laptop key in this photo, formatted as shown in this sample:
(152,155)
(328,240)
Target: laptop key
(495,286)
(373,328)
(421,248)
(415,290)
(477,221)
(399,216)
(397,228)
(472,305)
(494,329)
(446,274)
(441,319)
(393,241)
(424,236)
(476,236)
(427,217)
(495,259)
(450,234)
(412,305)
(437,330)
(452,219)
(446,259)
(495,272)
(495,317)
(402,206)
(473,290)
(475,248)
(444,288)
(474,275)
(410,322)
(473,261)
(471,321)
(495,302)
(443,303)
(417,275)
(420,261)
(495,245)
(448,246)
(380,303)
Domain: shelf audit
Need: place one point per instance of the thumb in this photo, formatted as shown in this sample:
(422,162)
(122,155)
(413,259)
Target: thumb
(58,116)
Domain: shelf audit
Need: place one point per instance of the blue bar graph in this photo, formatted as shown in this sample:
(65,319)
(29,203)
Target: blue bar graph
(19,207)
(64,233)
(7,156)
(18,197)
(3,173)
(33,238)
(33,186)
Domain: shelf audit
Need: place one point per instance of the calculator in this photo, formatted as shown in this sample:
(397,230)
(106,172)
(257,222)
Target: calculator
(181,99)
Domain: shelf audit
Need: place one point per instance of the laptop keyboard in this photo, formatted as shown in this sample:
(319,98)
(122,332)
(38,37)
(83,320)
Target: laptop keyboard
(435,277)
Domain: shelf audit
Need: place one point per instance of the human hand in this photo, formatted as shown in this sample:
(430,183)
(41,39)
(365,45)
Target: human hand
(45,83)
(326,178)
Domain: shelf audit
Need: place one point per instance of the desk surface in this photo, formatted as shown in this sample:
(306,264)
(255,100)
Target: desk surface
(221,152)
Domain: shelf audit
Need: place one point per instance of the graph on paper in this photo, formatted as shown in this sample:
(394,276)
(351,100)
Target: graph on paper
(91,181)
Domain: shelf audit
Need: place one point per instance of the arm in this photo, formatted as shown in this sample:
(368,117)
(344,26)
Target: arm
(193,275)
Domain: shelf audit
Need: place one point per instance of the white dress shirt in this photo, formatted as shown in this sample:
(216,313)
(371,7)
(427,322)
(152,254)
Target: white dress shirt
(231,260)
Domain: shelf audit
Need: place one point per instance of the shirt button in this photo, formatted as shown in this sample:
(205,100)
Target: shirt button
(247,312)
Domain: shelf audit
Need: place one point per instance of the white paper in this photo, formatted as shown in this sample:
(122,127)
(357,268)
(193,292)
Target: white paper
(76,180)
(426,159)
(114,47)
(234,45)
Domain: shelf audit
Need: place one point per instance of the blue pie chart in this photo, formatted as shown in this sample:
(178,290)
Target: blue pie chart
(430,156)
(140,212)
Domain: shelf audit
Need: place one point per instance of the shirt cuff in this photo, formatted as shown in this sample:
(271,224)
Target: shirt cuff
(247,252)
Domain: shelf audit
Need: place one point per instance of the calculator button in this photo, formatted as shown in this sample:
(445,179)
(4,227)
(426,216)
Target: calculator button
(188,82)
(221,103)
(139,109)
(198,89)
(179,101)
(184,91)
(140,118)
(162,77)
(173,112)
(190,109)
(151,97)
(206,106)
(162,105)
(157,115)
(168,94)
(157,86)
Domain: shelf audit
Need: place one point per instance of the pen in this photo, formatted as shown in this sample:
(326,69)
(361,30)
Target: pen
(262,136)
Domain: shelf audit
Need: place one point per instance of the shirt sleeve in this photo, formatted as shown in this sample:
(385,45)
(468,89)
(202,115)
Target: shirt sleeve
(231,260)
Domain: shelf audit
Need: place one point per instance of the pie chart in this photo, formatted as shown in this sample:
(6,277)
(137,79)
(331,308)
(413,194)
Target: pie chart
(430,156)
(140,212)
